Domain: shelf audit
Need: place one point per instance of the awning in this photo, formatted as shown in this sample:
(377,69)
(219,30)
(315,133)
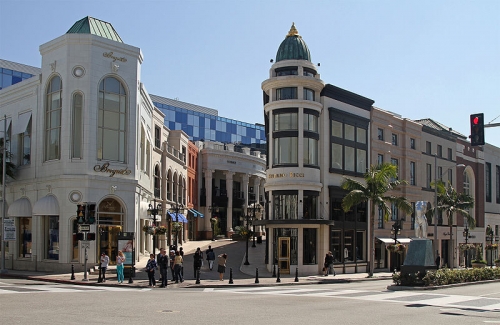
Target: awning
(386,240)
(20,208)
(46,206)
(196,213)
(22,123)
(404,240)
(179,217)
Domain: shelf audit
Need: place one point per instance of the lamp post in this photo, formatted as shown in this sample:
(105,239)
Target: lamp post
(213,219)
(396,230)
(489,236)
(153,211)
(4,198)
(255,206)
(466,236)
(175,209)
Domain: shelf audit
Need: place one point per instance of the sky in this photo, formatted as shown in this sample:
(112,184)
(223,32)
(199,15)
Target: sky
(419,59)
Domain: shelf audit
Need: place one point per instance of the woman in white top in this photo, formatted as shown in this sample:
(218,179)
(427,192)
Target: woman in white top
(120,259)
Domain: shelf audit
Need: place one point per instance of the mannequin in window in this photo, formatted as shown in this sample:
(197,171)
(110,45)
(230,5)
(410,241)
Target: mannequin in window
(346,254)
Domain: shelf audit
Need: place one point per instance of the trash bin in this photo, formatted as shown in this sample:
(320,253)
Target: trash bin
(259,239)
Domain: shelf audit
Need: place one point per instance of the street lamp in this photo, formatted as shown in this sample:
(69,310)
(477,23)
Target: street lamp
(175,209)
(4,197)
(255,206)
(466,236)
(396,230)
(213,220)
(436,246)
(490,235)
(154,210)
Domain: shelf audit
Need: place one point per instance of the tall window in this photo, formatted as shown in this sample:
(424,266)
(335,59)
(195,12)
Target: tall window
(284,121)
(428,175)
(77,124)
(395,162)
(450,154)
(395,212)
(487,181)
(309,247)
(112,117)
(25,145)
(428,147)
(412,173)
(440,173)
(51,225)
(308,94)
(285,205)
(25,240)
(157,137)
(157,183)
(286,93)
(53,107)
(285,134)
(311,121)
(310,206)
(380,134)
(380,159)
(497,184)
(412,143)
(394,139)
(142,145)
(310,156)
(440,150)
(311,138)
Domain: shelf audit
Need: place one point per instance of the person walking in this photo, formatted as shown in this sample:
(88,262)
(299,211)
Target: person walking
(163,260)
(328,264)
(151,267)
(438,261)
(181,251)
(172,262)
(197,261)
(104,265)
(221,265)
(210,257)
(120,259)
(178,267)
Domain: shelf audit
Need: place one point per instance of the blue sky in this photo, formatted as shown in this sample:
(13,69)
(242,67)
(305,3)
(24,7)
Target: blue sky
(420,59)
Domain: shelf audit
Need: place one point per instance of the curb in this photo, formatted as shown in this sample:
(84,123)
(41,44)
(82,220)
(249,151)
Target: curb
(445,286)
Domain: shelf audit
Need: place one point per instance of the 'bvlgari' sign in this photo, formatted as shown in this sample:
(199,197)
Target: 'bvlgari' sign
(104,168)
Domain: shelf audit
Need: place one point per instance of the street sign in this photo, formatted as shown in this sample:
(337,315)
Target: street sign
(83,228)
(9,229)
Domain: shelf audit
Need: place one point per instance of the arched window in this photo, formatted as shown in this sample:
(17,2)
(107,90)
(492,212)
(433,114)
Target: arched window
(183,189)
(77,126)
(157,182)
(175,186)
(169,185)
(53,108)
(111,127)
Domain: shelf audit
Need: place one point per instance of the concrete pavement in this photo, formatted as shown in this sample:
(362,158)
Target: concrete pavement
(243,275)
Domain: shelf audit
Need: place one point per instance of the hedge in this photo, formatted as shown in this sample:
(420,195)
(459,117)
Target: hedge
(445,276)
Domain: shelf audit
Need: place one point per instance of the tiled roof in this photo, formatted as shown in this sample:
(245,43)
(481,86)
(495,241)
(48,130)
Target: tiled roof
(439,127)
(89,25)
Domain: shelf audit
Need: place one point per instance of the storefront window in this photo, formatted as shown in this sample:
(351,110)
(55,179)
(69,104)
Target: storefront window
(25,243)
(76,250)
(309,248)
(285,205)
(52,231)
(360,246)
(310,205)
(349,251)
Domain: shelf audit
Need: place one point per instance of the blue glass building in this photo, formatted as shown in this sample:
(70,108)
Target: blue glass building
(12,73)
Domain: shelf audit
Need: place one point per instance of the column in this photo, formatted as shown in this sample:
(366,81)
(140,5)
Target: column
(208,188)
(244,184)
(229,188)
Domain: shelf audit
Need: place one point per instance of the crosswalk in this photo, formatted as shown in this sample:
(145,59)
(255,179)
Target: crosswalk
(54,288)
(416,298)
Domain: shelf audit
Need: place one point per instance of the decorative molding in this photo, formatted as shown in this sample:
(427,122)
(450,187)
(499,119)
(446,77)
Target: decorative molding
(114,67)
(53,66)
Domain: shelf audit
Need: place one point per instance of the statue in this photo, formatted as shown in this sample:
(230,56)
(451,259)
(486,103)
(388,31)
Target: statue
(420,219)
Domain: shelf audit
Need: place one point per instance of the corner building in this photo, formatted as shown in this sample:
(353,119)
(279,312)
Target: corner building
(317,133)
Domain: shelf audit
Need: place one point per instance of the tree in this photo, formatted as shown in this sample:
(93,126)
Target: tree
(378,180)
(450,202)
(10,167)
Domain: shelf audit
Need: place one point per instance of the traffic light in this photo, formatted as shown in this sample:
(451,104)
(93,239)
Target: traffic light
(477,129)
(80,214)
(91,213)
(91,236)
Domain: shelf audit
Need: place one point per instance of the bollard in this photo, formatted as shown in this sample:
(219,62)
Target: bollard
(256,275)
(99,280)
(72,272)
(230,275)
(130,275)
(296,274)
(274,270)
(278,278)
(197,276)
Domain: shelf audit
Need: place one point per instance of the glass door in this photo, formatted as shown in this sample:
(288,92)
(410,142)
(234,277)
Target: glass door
(284,254)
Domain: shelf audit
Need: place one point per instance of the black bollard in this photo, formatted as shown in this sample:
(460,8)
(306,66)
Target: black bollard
(278,278)
(230,275)
(296,274)
(256,275)
(72,272)
(197,276)
(274,270)
(99,280)
(130,275)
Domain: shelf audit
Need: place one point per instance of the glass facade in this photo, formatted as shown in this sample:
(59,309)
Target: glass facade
(10,77)
(202,126)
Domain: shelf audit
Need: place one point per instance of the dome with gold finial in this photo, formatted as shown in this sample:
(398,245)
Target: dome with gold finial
(293,47)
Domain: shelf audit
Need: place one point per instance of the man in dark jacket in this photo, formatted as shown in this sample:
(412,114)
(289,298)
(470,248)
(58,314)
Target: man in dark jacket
(198,259)
(163,260)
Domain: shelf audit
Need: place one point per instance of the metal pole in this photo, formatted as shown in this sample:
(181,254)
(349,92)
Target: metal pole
(4,172)
(436,246)
(85,265)
(246,255)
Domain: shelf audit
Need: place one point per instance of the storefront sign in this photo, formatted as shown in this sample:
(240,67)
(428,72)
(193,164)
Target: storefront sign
(9,229)
(104,168)
(115,58)
(285,175)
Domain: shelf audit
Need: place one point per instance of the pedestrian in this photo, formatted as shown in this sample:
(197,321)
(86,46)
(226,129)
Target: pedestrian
(328,264)
(181,251)
(210,257)
(197,261)
(438,261)
(172,262)
(151,267)
(120,259)
(221,265)
(177,267)
(163,260)
(104,265)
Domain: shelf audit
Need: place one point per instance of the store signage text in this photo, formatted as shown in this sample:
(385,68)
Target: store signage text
(105,169)
(115,58)
(285,175)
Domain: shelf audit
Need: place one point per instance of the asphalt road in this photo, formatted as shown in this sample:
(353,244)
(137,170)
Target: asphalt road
(31,302)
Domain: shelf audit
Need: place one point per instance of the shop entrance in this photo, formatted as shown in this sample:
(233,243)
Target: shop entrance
(109,224)
(284,254)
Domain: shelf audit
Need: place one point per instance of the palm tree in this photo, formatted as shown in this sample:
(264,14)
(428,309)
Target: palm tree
(378,180)
(10,167)
(450,202)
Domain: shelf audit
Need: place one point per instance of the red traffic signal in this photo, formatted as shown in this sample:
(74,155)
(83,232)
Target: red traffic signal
(91,236)
(477,129)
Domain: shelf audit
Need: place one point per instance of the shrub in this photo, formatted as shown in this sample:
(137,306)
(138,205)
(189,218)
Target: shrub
(446,276)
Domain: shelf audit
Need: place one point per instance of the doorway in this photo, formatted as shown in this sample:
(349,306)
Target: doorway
(284,254)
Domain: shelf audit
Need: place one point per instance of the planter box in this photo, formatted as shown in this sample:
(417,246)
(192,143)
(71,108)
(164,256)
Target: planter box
(478,265)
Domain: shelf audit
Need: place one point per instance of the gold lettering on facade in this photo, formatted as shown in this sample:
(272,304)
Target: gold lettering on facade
(105,169)
(281,175)
(115,58)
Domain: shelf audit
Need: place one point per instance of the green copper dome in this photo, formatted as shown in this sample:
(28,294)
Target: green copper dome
(293,47)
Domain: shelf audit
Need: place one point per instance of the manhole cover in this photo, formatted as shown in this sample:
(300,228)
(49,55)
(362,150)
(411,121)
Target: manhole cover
(167,311)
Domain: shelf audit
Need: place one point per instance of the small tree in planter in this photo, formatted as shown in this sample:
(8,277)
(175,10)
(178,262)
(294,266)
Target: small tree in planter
(479,262)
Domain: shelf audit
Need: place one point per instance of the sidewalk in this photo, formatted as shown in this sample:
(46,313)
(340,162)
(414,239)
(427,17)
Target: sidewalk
(243,275)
